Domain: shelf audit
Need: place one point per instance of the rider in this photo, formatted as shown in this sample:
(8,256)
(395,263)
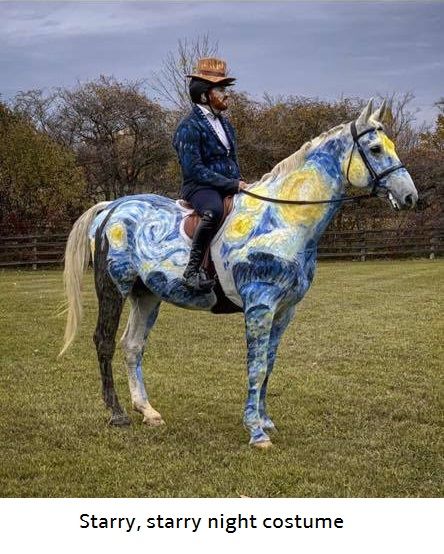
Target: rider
(206,145)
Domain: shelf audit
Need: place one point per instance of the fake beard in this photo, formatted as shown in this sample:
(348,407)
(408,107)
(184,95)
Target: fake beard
(218,101)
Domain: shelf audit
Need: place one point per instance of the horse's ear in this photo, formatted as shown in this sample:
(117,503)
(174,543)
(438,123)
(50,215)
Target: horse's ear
(380,113)
(365,114)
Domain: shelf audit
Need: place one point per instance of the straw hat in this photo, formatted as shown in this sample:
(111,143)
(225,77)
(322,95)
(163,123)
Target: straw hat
(212,70)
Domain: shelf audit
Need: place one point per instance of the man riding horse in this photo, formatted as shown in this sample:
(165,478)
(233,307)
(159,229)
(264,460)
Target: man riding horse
(205,142)
(265,257)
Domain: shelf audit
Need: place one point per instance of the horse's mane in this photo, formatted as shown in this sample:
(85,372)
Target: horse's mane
(296,160)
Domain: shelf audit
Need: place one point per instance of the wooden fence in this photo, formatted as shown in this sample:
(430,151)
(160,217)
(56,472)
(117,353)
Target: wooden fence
(384,243)
(47,249)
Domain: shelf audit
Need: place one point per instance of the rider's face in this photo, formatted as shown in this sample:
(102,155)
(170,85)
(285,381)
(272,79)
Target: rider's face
(218,97)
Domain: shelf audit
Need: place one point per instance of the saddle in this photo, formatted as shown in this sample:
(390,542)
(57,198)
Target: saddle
(191,221)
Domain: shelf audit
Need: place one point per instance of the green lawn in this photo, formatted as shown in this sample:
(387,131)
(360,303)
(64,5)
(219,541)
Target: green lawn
(355,395)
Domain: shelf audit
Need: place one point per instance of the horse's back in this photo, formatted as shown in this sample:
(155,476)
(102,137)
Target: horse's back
(145,240)
(130,208)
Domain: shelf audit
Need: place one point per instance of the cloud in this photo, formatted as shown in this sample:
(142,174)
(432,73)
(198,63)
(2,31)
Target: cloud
(314,48)
(41,21)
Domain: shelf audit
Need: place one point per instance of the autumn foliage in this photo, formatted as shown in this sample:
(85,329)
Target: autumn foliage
(63,151)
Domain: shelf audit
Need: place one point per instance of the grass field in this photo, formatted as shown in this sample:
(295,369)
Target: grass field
(355,395)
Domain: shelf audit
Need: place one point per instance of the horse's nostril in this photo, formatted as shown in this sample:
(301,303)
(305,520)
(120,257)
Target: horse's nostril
(408,200)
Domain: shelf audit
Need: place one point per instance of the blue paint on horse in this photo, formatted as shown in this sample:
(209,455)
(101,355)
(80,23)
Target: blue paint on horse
(328,159)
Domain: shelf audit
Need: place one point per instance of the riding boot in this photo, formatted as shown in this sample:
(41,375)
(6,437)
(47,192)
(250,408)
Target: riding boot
(196,277)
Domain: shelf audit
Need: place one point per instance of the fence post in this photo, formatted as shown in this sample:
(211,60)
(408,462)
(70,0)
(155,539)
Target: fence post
(432,246)
(34,251)
(363,246)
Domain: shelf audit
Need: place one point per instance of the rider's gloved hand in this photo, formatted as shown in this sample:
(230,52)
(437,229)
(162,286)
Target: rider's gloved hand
(242,185)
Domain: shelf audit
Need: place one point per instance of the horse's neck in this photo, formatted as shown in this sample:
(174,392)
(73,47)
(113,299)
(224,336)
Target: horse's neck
(317,175)
(320,167)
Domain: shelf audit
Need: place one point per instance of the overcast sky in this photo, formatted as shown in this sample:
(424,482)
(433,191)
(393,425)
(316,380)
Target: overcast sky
(316,49)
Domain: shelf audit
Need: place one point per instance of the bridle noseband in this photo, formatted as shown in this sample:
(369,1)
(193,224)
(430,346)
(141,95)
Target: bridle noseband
(374,176)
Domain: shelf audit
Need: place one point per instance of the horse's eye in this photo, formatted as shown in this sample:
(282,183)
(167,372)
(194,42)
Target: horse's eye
(376,149)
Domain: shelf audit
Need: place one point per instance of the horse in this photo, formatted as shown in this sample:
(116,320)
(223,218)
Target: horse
(264,256)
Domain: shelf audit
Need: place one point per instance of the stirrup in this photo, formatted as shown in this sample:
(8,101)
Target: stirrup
(199,281)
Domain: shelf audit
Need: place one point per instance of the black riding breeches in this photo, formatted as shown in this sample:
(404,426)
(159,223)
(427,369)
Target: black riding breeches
(205,201)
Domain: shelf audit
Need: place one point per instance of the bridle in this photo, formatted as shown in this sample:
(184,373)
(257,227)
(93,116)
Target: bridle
(374,176)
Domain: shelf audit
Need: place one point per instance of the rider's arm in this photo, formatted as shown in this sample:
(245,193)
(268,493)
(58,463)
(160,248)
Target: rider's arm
(188,149)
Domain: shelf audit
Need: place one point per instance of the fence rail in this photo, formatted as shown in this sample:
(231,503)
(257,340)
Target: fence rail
(384,243)
(48,249)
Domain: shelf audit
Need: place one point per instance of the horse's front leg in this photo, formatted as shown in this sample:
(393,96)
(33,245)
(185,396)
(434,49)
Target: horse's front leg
(259,308)
(280,322)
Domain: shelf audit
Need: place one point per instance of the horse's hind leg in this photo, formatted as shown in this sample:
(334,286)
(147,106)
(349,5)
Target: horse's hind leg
(143,315)
(110,309)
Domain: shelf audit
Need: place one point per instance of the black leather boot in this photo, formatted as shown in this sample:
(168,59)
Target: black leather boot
(196,277)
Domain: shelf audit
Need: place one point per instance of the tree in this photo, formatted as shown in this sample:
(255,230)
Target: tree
(121,138)
(39,180)
(170,83)
(426,165)
(275,128)
(400,120)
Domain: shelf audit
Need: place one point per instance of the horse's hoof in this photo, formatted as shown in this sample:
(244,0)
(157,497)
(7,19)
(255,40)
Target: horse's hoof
(153,421)
(119,420)
(268,425)
(263,445)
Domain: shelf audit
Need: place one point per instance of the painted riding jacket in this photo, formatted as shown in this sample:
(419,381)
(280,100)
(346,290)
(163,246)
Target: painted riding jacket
(205,161)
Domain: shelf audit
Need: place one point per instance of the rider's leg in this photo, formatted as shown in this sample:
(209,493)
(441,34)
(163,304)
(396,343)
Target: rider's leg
(209,205)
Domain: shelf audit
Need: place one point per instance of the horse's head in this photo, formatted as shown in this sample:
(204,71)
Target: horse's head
(372,161)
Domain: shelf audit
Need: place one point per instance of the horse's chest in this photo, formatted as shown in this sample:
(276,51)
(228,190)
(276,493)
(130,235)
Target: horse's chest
(303,277)
(290,278)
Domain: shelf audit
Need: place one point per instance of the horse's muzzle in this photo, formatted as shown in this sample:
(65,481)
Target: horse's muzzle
(401,191)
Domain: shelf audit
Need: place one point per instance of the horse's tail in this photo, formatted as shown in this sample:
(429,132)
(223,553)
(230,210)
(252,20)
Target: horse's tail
(77,256)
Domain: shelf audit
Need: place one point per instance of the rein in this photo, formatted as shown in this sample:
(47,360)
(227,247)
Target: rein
(305,202)
(374,183)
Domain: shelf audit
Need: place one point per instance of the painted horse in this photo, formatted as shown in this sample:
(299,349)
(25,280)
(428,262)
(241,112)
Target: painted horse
(264,256)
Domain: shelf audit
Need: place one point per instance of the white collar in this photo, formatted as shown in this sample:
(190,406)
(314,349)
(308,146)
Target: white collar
(207,112)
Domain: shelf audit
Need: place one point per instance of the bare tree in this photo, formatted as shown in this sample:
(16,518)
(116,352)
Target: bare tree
(120,137)
(38,108)
(170,83)
(400,121)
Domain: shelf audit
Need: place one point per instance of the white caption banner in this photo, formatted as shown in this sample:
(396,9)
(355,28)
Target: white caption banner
(199,525)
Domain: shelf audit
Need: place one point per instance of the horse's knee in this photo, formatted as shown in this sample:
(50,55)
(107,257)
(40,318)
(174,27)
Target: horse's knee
(132,351)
